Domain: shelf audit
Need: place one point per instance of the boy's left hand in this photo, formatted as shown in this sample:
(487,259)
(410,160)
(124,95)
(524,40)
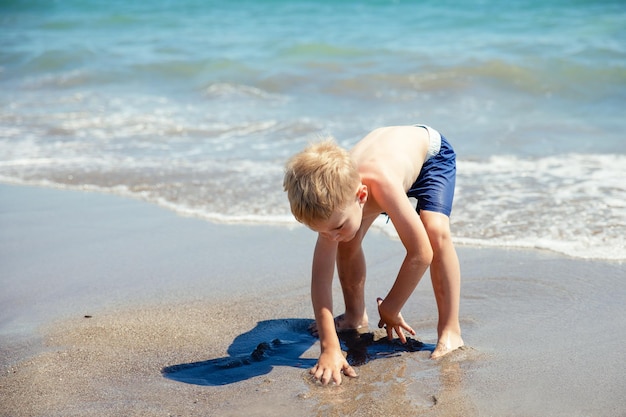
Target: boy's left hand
(392,322)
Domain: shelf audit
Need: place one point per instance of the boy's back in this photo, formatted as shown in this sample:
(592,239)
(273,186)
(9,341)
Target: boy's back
(390,157)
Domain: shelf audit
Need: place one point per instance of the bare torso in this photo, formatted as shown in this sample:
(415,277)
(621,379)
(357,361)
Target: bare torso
(390,157)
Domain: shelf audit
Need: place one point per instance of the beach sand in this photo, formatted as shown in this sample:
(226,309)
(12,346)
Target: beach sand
(114,307)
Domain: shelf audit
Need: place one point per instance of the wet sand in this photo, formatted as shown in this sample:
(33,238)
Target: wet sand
(115,307)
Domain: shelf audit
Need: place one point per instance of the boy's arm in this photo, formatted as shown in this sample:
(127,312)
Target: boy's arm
(394,202)
(331,362)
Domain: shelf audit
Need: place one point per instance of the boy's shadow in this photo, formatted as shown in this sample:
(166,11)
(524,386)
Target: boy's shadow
(282,342)
(271,343)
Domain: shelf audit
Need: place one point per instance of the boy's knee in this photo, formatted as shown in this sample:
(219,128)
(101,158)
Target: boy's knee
(438,230)
(424,258)
(439,239)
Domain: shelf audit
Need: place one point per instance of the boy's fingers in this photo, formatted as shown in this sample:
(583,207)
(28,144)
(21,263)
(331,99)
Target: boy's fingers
(319,374)
(408,328)
(381,323)
(327,376)
(401,335)
(349,371)
(379,302)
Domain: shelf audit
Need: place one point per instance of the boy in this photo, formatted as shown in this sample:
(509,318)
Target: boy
(339,195)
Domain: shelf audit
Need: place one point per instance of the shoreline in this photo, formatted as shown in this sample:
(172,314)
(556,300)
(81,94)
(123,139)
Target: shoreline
(163,290)
(286,221)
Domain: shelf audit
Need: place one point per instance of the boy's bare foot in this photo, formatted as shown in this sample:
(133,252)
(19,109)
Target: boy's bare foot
(342,325)
(446,344)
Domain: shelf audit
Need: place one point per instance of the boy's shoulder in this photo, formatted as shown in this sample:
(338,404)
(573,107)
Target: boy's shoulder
(385,189)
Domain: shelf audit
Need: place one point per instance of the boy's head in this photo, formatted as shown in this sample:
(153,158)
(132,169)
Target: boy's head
(319,181)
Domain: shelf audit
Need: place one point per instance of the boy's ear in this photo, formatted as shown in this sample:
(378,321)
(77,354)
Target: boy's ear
(362,193)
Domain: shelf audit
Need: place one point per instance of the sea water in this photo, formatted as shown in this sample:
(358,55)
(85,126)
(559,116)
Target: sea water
(195,105)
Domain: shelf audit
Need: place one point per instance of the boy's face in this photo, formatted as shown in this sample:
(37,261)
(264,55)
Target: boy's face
(343,225)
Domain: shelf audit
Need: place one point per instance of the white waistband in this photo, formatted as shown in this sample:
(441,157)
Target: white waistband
(434,145)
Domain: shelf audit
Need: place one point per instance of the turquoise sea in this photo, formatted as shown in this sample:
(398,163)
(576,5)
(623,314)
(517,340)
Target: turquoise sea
(195,105)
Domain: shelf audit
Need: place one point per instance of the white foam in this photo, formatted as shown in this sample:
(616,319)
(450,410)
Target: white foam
(573,204)
(221,90)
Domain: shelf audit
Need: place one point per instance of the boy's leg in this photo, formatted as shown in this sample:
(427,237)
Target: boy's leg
(351,269)
(446,278)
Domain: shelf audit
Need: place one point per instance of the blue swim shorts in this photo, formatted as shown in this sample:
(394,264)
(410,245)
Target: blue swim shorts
(434,188)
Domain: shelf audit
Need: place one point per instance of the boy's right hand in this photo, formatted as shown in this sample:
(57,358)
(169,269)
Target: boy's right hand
(392,321)
(330,366)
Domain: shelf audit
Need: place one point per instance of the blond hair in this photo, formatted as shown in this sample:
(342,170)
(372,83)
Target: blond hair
(319,180)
